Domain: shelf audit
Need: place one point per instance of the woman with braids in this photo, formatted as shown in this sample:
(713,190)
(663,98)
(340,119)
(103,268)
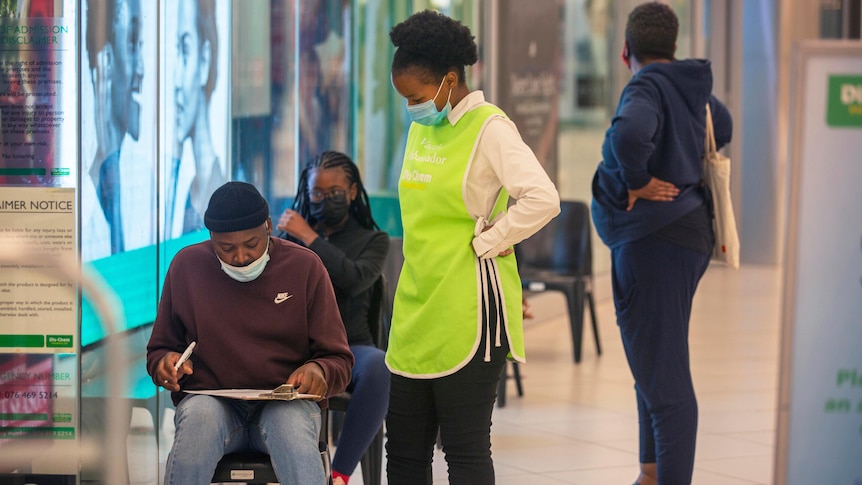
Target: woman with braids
(458,312)
(332,217)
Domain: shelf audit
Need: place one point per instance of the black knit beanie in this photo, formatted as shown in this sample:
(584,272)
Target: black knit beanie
(235,206)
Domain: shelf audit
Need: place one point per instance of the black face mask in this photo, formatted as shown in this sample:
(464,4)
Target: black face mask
(329,211)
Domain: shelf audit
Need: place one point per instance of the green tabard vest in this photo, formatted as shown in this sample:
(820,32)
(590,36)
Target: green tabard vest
(437,321)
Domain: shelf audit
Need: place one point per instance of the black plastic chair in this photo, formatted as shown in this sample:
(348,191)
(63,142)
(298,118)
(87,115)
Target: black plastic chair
(501,385)
(378,322)
(560,258)
(256,468)
(392,271)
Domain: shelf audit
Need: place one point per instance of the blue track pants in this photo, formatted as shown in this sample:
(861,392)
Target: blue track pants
(654,283)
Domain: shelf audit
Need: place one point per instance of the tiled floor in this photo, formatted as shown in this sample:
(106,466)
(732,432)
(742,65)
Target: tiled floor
(577,424)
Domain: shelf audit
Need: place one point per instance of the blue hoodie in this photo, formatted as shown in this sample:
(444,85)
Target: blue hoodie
(657,131)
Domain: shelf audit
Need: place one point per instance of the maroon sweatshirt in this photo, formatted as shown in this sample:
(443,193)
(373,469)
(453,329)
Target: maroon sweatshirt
(250,335)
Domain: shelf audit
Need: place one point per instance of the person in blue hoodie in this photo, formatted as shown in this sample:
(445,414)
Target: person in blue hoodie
(651,209)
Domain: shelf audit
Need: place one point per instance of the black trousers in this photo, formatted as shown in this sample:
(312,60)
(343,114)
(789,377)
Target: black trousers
(459,406)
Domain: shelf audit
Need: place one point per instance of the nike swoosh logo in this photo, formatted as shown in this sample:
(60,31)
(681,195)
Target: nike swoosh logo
(282,297)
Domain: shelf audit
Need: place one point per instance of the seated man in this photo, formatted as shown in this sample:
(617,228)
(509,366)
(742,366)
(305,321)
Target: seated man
(263,313)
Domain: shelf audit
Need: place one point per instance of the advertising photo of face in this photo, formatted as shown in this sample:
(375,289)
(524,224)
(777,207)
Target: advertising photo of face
(114,44)
(116,65)
(126,85)
(194,79)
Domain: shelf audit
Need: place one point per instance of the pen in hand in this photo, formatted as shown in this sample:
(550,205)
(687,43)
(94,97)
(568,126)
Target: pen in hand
(185,355)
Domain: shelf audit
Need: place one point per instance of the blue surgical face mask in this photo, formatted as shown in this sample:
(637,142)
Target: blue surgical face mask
(249,272)
(426,113)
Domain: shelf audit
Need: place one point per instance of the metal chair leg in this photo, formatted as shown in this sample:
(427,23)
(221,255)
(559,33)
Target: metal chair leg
(516,371)
(595,322)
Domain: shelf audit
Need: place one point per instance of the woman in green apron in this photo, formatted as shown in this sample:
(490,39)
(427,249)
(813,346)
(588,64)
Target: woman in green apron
(457,312)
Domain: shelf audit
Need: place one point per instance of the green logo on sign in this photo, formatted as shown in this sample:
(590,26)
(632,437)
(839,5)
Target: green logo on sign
(59,341)
(845,101)
(60,171)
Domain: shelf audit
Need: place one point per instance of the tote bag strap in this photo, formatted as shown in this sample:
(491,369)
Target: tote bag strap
(709,153)
(709,141)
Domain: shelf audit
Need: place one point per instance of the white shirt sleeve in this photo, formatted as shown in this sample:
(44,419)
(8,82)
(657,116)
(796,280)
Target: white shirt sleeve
(503,159)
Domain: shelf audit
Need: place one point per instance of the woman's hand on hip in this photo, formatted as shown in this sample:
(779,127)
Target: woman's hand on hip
(655,190)
(504,252)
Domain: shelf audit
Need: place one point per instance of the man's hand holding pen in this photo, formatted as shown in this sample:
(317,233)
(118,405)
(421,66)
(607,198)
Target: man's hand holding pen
(174,366)
(169,376)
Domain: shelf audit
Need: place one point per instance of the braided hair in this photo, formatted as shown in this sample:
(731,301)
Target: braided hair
(360,208)
(430,44)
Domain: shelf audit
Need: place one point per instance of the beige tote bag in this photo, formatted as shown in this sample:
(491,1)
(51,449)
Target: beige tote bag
(716,175)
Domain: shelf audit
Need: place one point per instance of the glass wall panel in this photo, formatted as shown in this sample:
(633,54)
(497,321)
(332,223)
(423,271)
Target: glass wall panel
(380,117)
(312,98)
(154,144)
(323,94)
(119,218)
(196,103)
(283,120)
(197,97)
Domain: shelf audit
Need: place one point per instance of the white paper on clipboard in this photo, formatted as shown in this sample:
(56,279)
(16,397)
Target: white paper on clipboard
(285,392)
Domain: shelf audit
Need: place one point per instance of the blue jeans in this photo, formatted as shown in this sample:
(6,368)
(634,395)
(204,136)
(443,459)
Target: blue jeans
(369,388)
(208,428)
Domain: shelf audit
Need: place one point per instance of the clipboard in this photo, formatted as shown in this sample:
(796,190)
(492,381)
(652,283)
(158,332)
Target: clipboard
(284,392)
